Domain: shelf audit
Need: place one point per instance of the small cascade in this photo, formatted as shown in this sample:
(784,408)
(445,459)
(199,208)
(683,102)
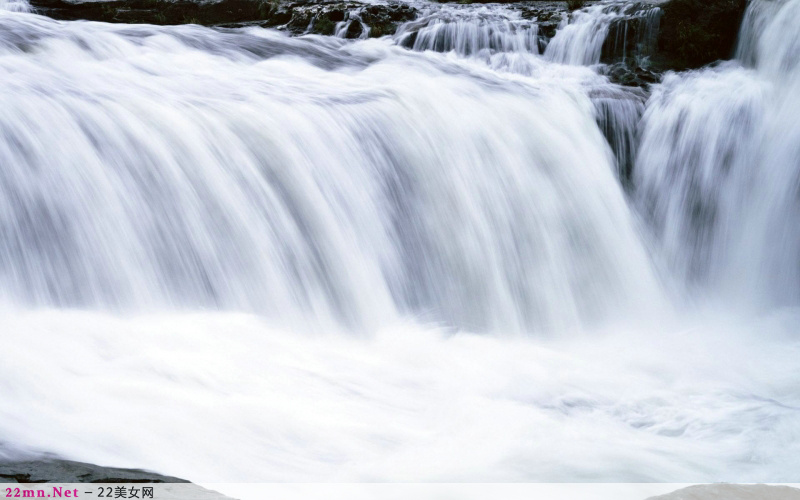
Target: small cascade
(618,115)
(352,27)
(15,6)
(633,36)
(512,40)
(469,31)
(606,31)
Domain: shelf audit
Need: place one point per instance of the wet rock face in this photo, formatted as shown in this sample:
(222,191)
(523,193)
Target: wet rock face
(694,33)
(548,16)
(320,18)
(384,19)
(631,75)
(675,34)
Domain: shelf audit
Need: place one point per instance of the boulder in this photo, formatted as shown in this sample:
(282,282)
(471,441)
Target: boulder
(694,33)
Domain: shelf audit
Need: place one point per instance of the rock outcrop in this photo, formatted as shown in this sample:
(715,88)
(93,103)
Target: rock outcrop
(673,35)
(54,470)
(49,469)
(694,33)
(732,492)
(320,17)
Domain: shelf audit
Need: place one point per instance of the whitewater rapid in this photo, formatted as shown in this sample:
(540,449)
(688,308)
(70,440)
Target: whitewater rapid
(233,255)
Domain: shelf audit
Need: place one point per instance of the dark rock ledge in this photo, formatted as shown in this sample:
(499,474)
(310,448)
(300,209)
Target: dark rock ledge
(694,33)
(50,469)
(297,17)
(54,470)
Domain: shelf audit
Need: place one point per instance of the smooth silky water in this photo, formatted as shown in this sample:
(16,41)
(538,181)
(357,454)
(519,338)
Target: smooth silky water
(232,255)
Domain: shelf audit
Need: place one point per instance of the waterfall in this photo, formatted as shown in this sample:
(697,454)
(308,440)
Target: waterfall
(689,173)
(718,173)
(455,252)
(472,201)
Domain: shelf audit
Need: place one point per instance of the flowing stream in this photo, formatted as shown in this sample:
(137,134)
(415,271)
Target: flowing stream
(455,253)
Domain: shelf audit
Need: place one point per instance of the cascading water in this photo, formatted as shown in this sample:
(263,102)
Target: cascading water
(718,169)
(236,255)
(755,22)
(618,115)
(509,42)
(605,27)
(320,215)
(689,173)
(15,6)
(469,31)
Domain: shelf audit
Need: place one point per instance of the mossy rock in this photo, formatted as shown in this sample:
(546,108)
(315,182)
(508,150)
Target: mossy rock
(694,33)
